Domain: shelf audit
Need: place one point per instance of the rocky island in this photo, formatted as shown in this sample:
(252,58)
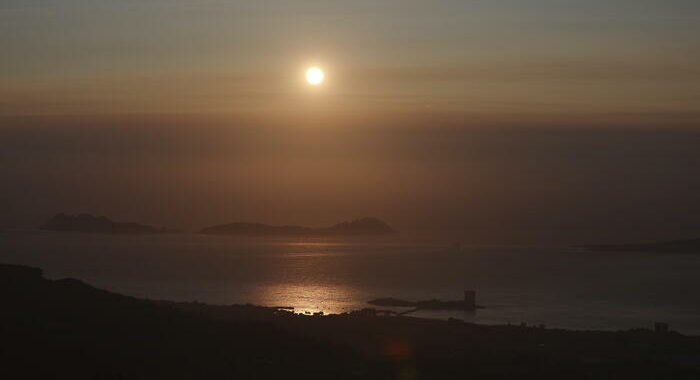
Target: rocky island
(360,227)
(467,304)
(98,224)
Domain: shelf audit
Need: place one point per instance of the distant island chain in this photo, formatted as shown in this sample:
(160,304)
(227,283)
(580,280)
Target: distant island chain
(88,223)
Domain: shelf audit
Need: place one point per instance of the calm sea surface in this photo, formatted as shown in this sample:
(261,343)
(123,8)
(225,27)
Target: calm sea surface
(556,286)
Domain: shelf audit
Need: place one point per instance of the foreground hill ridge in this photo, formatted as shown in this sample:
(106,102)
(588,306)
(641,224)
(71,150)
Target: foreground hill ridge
(69,329)
(359,227)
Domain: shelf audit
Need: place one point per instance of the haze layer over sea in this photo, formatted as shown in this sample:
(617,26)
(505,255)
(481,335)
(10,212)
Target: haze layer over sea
(557,286)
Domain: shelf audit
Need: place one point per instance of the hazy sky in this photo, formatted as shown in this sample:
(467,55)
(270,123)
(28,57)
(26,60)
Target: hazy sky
(500,60)
(493,116)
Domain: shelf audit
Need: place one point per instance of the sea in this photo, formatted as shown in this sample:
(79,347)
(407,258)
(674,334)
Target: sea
(555,286)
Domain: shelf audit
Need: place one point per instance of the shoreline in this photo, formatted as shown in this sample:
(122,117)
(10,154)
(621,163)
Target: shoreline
(48,321)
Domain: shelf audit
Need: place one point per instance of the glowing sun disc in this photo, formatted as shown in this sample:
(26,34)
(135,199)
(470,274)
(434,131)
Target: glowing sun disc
(314,76)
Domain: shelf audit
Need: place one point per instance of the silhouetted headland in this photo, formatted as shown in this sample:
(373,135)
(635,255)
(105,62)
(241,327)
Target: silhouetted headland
(360,227)
(467,304)
(70,330)
(673,246)
(98,224)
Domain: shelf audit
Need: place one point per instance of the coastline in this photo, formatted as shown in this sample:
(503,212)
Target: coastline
(46,319)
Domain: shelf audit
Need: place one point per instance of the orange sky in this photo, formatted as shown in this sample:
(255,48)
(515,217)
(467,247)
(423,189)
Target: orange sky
(599,61)
(498,119)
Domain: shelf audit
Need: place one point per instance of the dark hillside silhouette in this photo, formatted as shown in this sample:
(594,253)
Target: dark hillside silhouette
(69,330)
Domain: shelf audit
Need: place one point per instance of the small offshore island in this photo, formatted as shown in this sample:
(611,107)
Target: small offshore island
(672,246)
(367,226)
(99,224)
(467,304)
(68,329)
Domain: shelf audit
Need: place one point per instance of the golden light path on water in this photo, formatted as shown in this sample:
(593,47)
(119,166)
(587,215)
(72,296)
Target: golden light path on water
(308,299)
(305,258)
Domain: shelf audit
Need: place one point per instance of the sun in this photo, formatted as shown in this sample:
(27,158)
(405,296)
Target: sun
(314,76)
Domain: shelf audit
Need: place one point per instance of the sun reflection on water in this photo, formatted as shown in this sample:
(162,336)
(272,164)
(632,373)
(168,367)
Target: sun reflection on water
(308,298)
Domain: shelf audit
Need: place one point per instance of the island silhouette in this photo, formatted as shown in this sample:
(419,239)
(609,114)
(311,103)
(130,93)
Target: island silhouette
(98,224)
(671,246)
(367,226)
